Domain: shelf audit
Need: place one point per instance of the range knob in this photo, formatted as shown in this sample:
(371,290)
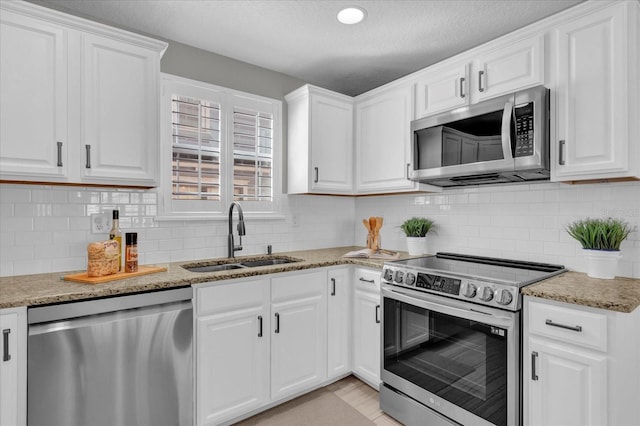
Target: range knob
(388,275)
(486,294)
(399,276)
(504,297)
(470,291)
(410,279)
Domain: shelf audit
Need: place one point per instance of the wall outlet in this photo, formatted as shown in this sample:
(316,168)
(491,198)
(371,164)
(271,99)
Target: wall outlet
(101,223)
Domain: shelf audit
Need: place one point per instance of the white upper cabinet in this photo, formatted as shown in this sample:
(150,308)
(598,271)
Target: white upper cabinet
(119,102)
(79,100)
(320,142)
(441,88)
(494,69)
(33,98)
(383,141)
(508,67)
(596,90)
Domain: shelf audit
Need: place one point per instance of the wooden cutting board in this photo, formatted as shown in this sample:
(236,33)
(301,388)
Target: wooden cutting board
(142,270)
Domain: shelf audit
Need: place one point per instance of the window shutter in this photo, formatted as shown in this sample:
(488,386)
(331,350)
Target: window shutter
(252,155)
(196,143)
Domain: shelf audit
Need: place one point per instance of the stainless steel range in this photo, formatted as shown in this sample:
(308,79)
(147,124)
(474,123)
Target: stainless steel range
(451,338)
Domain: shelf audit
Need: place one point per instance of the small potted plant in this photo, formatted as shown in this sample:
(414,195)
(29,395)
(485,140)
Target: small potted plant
(416,230)
(600,240)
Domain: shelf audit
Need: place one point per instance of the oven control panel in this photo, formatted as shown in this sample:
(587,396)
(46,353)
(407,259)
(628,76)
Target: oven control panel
(485,293)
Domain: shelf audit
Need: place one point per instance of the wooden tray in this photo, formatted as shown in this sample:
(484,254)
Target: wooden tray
(142,270)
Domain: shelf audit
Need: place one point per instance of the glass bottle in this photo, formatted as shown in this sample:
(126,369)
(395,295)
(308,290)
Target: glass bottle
(131,252)
(116,234)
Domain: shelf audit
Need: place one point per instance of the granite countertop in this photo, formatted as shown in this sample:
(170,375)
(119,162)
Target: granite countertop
(42,289)
(620,294)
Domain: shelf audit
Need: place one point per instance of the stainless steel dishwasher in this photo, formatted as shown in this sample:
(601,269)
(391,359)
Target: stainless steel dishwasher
(116,361)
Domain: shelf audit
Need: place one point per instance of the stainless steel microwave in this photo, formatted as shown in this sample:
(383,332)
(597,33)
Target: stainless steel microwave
(500,140)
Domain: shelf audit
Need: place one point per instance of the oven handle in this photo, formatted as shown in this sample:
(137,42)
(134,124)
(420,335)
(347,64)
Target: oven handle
(450,307)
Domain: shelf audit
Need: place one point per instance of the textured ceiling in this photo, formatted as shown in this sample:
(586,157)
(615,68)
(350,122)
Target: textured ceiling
(303,38)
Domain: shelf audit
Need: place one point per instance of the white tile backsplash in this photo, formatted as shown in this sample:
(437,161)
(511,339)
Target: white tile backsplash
(46,228)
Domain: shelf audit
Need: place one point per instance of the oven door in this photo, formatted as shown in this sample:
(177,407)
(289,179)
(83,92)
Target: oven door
(457,358)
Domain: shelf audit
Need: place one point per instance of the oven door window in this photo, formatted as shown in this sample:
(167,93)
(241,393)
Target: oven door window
(462,361)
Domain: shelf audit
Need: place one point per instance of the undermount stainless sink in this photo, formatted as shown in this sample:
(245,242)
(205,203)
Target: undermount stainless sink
(240,265)
(214,268)
(267,262)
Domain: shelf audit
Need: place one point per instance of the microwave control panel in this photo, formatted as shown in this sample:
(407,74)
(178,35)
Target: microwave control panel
(524,130)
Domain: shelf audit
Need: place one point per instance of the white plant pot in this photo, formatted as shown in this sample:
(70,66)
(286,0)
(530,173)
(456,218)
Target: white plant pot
(416,245)
(601,263)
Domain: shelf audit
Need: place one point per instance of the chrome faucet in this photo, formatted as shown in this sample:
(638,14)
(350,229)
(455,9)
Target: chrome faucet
(231,247)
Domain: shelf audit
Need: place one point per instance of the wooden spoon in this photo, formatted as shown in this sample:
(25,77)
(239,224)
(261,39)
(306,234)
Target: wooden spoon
(366,224)
(372,223)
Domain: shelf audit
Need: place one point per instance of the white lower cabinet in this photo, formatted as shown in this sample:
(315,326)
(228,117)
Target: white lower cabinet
(338,321)
(13,367)
(258,341)
(577,365)
(567,386)
(298,327)
(366,325)
(233,343)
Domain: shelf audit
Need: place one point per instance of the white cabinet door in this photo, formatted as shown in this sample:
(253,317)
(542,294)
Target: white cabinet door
(442,88)
(366,325)
(595,97)
(13,362)
(383,141)
(366,336)
(232,358)
(567,386)
(320,142)
(338,322)
(33,99)
(509,68)
(331,144)
(298,333)
(120,112)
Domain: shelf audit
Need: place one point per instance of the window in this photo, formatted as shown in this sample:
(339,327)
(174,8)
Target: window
(219,146)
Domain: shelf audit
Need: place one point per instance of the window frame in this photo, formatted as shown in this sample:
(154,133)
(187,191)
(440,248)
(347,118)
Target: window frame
(170,209)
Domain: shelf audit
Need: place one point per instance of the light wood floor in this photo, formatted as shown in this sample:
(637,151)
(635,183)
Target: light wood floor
(363,398)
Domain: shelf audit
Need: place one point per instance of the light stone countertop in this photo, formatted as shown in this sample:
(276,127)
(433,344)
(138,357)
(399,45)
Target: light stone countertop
(42,289)
(620,294)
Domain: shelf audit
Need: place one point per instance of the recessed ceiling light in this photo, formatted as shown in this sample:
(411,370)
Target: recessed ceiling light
(351,15)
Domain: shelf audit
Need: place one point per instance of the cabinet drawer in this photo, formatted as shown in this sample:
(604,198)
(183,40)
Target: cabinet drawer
(568,325)
(367,279)
(230,295)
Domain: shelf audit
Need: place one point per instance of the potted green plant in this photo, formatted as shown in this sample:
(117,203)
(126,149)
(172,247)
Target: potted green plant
(416,230)
(600,240)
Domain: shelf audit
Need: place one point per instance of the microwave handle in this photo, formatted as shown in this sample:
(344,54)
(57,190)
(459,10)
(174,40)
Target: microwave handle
(507,119)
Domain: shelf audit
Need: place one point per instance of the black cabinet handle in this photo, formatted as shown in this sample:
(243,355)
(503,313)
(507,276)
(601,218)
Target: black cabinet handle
(259,325)
(316,179)
(534,375)
(367,281)
(480,74)
(5,344)
(88,162)
(566,327)
(333,286)
(377,314)
(277,322)
(59,164)
(561,145)
(462,94)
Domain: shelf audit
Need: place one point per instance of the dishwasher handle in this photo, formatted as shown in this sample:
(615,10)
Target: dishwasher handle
(65,311)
